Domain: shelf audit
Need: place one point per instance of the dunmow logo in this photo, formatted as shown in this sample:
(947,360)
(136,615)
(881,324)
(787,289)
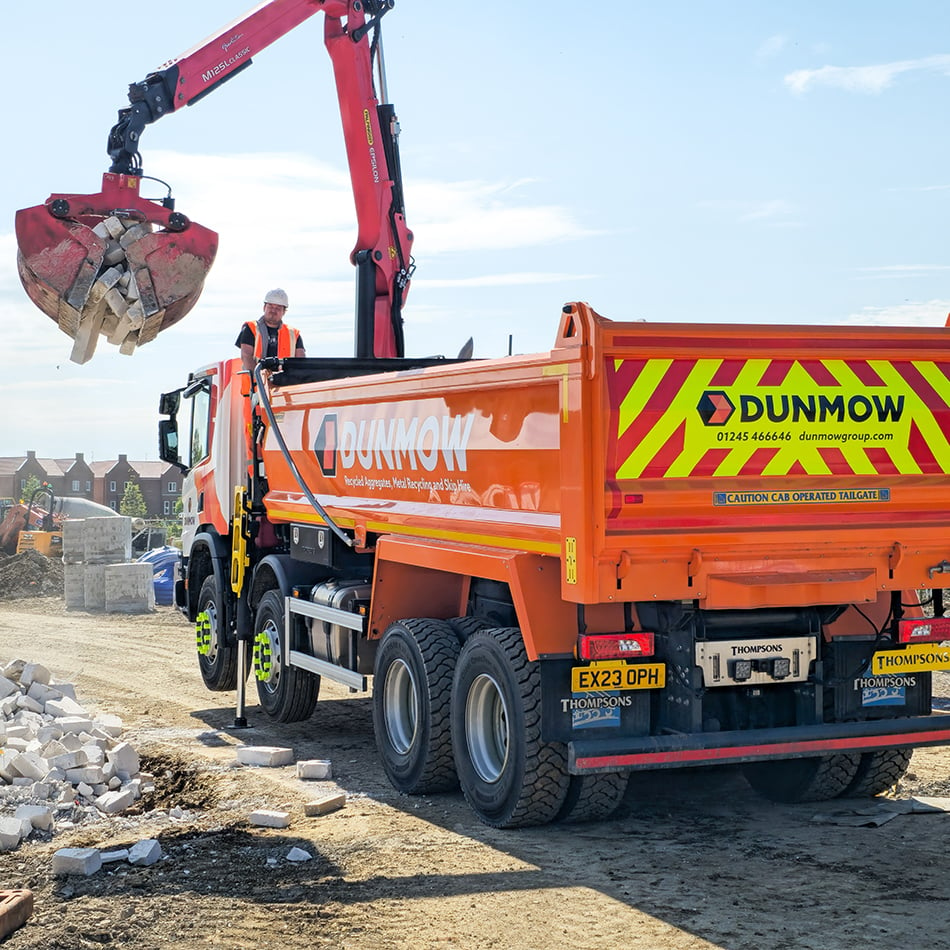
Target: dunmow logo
(394,444)
(716,408)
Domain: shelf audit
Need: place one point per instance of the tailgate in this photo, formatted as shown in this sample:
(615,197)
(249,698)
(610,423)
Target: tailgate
(760,466)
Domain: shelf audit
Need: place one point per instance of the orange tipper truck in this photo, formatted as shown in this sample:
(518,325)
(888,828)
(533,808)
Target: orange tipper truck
(655,546)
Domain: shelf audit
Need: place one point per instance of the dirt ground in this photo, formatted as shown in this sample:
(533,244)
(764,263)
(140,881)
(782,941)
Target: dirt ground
(693,860)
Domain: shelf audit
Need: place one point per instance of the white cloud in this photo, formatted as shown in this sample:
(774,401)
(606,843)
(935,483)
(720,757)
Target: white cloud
(867,79)
(771,47)
(773,211)
(932,313)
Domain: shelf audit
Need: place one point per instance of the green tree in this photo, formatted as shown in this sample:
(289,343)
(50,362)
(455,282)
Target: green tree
(32,483)
(133,504)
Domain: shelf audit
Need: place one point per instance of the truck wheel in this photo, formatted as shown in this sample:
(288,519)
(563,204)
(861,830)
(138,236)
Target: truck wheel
(412,689)
(509,776)
(803,780)
(286,693)
(877,772)
(594,797)
(217,660)
(464,627)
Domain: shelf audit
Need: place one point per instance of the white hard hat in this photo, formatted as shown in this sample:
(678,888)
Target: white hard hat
(276,296)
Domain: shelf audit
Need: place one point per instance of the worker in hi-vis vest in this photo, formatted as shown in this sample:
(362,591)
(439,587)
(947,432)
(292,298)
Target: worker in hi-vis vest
(269,336)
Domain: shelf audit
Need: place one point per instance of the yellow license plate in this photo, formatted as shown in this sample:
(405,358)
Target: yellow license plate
(918,658)
(606,676)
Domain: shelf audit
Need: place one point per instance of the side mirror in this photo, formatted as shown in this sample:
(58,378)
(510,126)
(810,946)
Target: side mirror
(168,443)
(169,403)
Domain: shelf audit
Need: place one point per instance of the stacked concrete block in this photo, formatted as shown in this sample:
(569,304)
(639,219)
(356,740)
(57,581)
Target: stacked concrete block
(107,540)
(98,575)
(129,588)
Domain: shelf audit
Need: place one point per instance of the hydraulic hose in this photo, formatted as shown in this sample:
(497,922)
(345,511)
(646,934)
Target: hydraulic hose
(272,421)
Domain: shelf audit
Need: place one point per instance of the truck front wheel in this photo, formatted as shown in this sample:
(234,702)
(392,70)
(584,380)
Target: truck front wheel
(509,776)
(217,660)
(803,780)
(286,693)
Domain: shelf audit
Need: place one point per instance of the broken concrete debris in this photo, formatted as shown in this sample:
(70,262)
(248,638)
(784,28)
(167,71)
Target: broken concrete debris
(264,755)
(60,763)
(265,818)
(121,303)
(87,861)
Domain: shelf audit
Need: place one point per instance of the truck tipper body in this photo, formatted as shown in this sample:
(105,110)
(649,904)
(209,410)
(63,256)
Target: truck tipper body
(656,545)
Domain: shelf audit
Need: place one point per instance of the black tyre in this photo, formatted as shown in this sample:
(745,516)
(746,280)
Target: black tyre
(466,626)
(412,692)
(286,693)
(877,772)
(510,778)
(803,780)
(594,797)
(217,660)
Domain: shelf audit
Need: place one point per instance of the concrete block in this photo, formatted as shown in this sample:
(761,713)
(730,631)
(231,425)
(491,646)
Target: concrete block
(43,692)
(298,854)
(39,791)
(84,861)
(74,725)
(109,724)
(39,816)
(314,769)
(10,833)
(30,765)
(34,673)
(94,586)
(107,540)
(8,687)
(73,541)
(65,707)
(124,760)
(324,806)
(7,772)
(112,802)
(13,669)
(269,819)
(129,588)
(90,774)
(94,754)
(27,702)
(74,584)
(113,857)
(264,755)
(85,791)
(145,853)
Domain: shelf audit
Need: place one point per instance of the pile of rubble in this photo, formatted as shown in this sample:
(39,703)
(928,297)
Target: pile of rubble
(60,765)
(30,574)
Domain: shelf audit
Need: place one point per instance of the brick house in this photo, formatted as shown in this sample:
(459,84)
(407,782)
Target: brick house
(103,482)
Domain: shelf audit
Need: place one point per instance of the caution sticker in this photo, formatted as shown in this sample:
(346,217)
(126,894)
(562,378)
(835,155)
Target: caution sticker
(808,497)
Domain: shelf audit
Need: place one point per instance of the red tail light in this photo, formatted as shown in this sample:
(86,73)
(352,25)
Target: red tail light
(614,646)
(924,630)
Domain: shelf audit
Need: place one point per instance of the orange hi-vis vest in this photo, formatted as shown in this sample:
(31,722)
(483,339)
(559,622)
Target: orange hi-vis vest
(286,339)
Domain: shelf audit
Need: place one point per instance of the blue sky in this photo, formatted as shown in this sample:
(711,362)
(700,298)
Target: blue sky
(742,162)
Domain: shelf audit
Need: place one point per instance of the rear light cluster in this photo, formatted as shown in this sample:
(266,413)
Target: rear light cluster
(614,646)
(924,630)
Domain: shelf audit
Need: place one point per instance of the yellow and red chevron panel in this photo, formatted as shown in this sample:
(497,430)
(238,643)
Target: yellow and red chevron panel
(682,418)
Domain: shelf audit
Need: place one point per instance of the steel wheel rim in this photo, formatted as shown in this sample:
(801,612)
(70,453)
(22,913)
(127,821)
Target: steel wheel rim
(212,611)
(401,706)
(486,728)
(272,632)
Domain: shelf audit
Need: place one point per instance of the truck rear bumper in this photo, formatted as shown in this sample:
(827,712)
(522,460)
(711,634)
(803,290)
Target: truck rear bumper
(721,748)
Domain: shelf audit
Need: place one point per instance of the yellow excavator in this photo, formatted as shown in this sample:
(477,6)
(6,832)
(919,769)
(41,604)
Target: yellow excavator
(32,527)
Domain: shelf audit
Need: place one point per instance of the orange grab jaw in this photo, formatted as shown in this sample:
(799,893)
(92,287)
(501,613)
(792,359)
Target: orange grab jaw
(112,264)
